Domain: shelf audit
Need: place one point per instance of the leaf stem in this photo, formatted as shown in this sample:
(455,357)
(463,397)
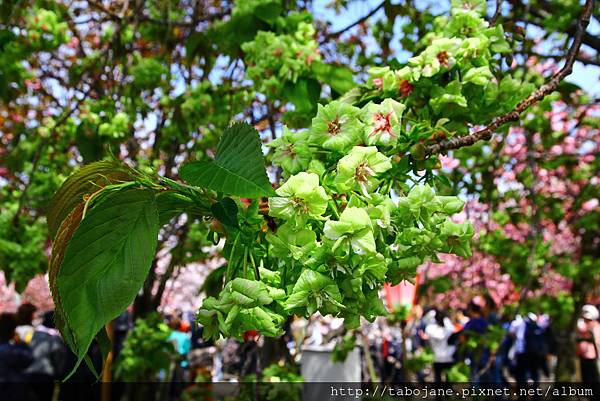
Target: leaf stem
(256,272)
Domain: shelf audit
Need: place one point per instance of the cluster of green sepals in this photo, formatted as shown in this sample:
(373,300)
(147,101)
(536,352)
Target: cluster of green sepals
(454,79)
(279,58)
(343,227)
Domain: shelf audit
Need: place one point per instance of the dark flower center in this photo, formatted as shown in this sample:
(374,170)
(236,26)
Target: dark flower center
(334,127)
(443,58)
(363,172)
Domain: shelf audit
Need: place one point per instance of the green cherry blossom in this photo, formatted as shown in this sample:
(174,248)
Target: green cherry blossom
(337,127)
(354,227)
(382,122)
(292,152)
(359,169)
(288,241)
(439,56)
(380,211)
(300,198)
(456,238)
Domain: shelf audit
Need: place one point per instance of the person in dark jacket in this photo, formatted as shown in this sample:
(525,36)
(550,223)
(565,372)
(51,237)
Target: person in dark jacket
(15,357)
(49,353)
(24,317)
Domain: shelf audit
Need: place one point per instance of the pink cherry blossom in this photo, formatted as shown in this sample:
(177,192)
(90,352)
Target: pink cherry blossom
(449,162)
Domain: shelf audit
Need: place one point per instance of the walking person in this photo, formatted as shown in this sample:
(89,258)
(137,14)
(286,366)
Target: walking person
(588,343)
(438,332)
(49,356)
(15,357)
(24,318)
(530,348)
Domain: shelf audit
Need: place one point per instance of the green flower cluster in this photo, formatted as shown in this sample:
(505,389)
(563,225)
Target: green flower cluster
(340,128)
(342,260)
(275,59)
(241,306)
(45,30)
(148,73)
(117,127)
(453,74)
(344,221)
(343,228)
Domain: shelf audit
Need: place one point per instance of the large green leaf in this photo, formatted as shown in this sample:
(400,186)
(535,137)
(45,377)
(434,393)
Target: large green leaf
(226,211)
(238,168)
(86,180)
(304,94)
(104,264)
(339,78)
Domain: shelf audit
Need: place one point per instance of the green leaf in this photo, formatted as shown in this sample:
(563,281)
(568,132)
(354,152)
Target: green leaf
(171,204)
(238,168)
(341,79)
(268,12)
(194,44)
(105,264)
(249,292)
(226,211)
(304,94)
(84,181)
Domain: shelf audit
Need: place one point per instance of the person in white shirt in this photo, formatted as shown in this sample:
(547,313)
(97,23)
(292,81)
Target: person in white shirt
(438,332)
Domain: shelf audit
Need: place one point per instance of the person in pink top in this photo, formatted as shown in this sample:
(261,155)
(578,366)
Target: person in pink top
(588,343)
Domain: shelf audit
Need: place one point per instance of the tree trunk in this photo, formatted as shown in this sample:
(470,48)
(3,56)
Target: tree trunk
(565,353)
(565,338)
(142,305)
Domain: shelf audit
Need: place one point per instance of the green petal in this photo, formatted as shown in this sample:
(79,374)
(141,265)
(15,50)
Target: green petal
(363,242)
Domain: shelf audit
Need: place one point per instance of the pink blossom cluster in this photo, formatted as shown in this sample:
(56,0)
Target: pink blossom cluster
(182,292)
(481,274)
(36,293)
(551,283)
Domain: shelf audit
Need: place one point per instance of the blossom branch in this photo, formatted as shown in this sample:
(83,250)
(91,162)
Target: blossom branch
(486,133)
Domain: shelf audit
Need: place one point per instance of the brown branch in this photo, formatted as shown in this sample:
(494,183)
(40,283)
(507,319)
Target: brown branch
(496,13)
(336,34)
(486,133)
(539,14)
(177,255)
(581,58)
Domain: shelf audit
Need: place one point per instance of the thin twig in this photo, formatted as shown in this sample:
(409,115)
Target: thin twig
(513,115)
(496,13)
(581,58)
(336,34)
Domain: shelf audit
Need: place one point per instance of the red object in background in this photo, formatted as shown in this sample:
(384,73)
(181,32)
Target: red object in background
(250,335)
(405,293)
(184,326)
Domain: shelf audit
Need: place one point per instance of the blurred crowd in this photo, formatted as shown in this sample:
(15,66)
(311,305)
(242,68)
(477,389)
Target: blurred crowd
(425,344)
